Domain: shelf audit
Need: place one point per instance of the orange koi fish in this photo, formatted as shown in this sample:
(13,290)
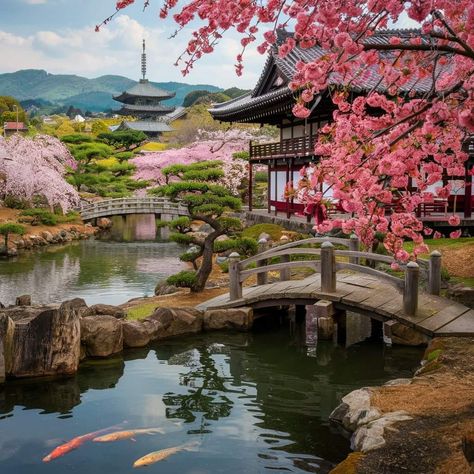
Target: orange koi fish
(129,434)
(75,443)
(156,456)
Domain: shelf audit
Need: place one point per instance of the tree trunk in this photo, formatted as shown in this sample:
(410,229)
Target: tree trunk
(206,263)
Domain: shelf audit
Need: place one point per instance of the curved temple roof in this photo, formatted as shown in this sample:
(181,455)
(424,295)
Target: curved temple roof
(144,89)
(271,95)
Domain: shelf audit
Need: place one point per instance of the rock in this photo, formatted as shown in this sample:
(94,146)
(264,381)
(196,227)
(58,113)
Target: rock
(78,305)
(2,305)
(239,318)
(101,336)
(176,321)
(220,259)
(357,406)
(462,294)
(394,382)
(17,313)
(265,236)
(405,336)
(104,310)
(135,334)
(163,288)
(24,300)
(104,223)
(371,435)
(30,220)
(48,344)
(152,328)
(7,329)
(47,236)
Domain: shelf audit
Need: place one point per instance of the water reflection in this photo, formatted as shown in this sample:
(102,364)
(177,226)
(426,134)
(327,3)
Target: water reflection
(256,402)
(99,272)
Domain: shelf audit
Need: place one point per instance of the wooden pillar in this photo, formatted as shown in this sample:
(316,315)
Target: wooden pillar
(325,315)
(354,247)
(276,187)
(262,278)
(235,286)
(467,193)
(250,185)
(410,292)
(285,273)
(269,187)
(434,273)
(328,268)
(287,181)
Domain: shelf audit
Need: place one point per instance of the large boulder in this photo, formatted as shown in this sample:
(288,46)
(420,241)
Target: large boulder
(235,318)
(78,305)
(406,336)
(163,288)
(105,310)
(7,328)
(176,321)
(135,334)
(23,300)
(102,336)
(48,344)
(17,313)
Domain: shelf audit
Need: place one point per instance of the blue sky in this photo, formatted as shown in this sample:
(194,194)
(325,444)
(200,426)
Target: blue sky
(58,36)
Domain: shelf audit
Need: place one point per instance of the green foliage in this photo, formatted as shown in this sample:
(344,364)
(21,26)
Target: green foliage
(126,139)
(124,155)
(15,203)
(184,279)
(76,138)
(181,224)
(99,127)
(12,228)
(230,223)
(243,245)
(261,177)
(184,239)
(44,216)
(8,110)
(273,230)
(241,155)
(433,355)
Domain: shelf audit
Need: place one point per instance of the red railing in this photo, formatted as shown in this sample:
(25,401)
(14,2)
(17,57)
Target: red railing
(289,147)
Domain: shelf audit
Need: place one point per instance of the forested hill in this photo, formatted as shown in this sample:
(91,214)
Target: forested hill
(86,94)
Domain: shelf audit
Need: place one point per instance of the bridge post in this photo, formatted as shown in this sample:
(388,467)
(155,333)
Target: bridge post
(434,273)
(354,247)
(285,273)
(262,278)
(165,231)
(410,292)
(328,268)
(235,285)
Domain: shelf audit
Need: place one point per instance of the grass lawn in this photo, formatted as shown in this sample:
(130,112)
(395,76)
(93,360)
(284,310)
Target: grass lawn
(442,244)
(141,311)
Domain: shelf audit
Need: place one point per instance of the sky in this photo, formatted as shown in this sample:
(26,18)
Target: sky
(58,36)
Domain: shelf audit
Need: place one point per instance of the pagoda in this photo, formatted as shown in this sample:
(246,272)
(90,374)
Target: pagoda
(143,102)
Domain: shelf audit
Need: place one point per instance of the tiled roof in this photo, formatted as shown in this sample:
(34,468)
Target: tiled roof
(129,109)
(255,106)
(145,89)
(14,126)
(146,126)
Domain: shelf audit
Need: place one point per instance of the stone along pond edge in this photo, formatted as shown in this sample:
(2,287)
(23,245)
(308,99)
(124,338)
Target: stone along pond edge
(53,341)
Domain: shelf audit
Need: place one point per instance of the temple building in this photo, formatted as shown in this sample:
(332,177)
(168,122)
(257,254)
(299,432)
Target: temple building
(143,101)
(271,102)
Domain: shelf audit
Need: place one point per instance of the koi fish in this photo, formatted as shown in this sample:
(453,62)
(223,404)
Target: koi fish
(156,456)
(119,435)
(75,443)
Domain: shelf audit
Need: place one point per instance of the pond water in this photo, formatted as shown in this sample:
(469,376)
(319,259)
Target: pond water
(98,271)
(249,403)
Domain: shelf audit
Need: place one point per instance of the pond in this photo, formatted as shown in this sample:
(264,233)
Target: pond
(242,403)
(98,271)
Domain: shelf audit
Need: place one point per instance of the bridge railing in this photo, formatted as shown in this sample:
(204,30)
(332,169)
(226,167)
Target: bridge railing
(323,260)
(126,205)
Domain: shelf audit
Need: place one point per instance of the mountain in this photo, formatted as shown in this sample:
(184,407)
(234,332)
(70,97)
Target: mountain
(87,94)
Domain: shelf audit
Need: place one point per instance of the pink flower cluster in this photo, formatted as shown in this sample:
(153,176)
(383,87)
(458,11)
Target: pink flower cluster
(35,167)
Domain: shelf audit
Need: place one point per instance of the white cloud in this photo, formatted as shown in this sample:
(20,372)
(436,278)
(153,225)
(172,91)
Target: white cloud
(116,49)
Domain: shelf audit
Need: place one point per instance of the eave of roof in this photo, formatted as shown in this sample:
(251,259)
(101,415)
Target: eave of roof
(144,89)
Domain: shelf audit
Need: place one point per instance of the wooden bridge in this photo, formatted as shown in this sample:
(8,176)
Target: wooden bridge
(160,206)
(342,278)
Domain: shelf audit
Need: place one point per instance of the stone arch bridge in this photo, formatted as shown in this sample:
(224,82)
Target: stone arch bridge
(342,281)
(160,206)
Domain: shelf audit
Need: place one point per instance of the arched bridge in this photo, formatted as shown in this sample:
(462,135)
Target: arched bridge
(133,205)
(341,278)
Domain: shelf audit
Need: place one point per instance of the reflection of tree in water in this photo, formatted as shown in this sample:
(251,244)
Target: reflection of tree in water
(206,390)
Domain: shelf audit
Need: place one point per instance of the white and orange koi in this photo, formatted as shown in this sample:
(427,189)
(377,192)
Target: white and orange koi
(128,434)
(162,454)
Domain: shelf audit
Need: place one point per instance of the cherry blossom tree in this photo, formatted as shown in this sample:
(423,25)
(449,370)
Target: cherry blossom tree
(34,168)
(210,146)
(391,134)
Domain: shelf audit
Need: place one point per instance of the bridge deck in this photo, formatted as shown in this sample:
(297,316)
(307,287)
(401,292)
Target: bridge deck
(436,316)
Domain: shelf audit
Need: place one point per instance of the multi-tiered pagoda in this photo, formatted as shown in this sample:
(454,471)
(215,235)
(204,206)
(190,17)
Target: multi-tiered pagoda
(143,102)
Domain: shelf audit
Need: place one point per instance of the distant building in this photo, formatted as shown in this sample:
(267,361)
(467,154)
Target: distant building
(9,128)
(79,119)
(143,101)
